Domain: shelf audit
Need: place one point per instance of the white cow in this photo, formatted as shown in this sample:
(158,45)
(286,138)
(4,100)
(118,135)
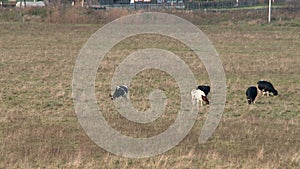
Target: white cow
(198,95)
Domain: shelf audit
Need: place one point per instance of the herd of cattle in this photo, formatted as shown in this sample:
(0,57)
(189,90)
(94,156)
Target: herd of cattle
(201,92)
(264,87)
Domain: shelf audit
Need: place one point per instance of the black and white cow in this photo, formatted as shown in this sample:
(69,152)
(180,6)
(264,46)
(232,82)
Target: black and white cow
(204,88)
(199,95)
(266,87)
(121,91)
(251,94)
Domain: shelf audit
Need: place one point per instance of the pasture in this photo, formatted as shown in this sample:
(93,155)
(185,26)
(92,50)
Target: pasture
(39,127)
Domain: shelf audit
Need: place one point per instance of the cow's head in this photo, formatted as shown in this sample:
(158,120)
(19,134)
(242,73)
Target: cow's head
(249,100)
(275,92)
(205,99)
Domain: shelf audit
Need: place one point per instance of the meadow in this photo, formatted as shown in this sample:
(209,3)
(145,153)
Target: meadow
(39,127)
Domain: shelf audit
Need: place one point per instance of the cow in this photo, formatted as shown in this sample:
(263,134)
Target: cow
(266,87)
(121,91)
(204,88)
(198,95)
(251,94)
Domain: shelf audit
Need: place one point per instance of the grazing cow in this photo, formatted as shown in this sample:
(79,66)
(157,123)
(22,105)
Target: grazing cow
(121,91)
(266,87)
(251,94)
(204,88)
(198,95)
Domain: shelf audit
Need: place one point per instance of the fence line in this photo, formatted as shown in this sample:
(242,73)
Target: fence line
(201,5)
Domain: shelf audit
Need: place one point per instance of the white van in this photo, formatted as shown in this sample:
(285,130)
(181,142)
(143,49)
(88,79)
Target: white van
(30,4)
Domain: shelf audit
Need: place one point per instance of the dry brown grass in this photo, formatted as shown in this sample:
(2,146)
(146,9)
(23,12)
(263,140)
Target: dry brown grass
(39,128)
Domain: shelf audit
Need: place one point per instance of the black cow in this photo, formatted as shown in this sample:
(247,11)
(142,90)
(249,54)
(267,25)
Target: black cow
(204,88)
(251,94)
(266,87)
(121,91)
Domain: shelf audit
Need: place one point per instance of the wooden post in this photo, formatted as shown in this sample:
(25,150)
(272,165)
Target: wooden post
(270,4)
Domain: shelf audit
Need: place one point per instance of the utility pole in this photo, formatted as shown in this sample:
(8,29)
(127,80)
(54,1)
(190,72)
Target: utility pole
(270,4)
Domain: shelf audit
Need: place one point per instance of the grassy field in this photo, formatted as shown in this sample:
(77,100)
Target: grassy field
(39,127)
